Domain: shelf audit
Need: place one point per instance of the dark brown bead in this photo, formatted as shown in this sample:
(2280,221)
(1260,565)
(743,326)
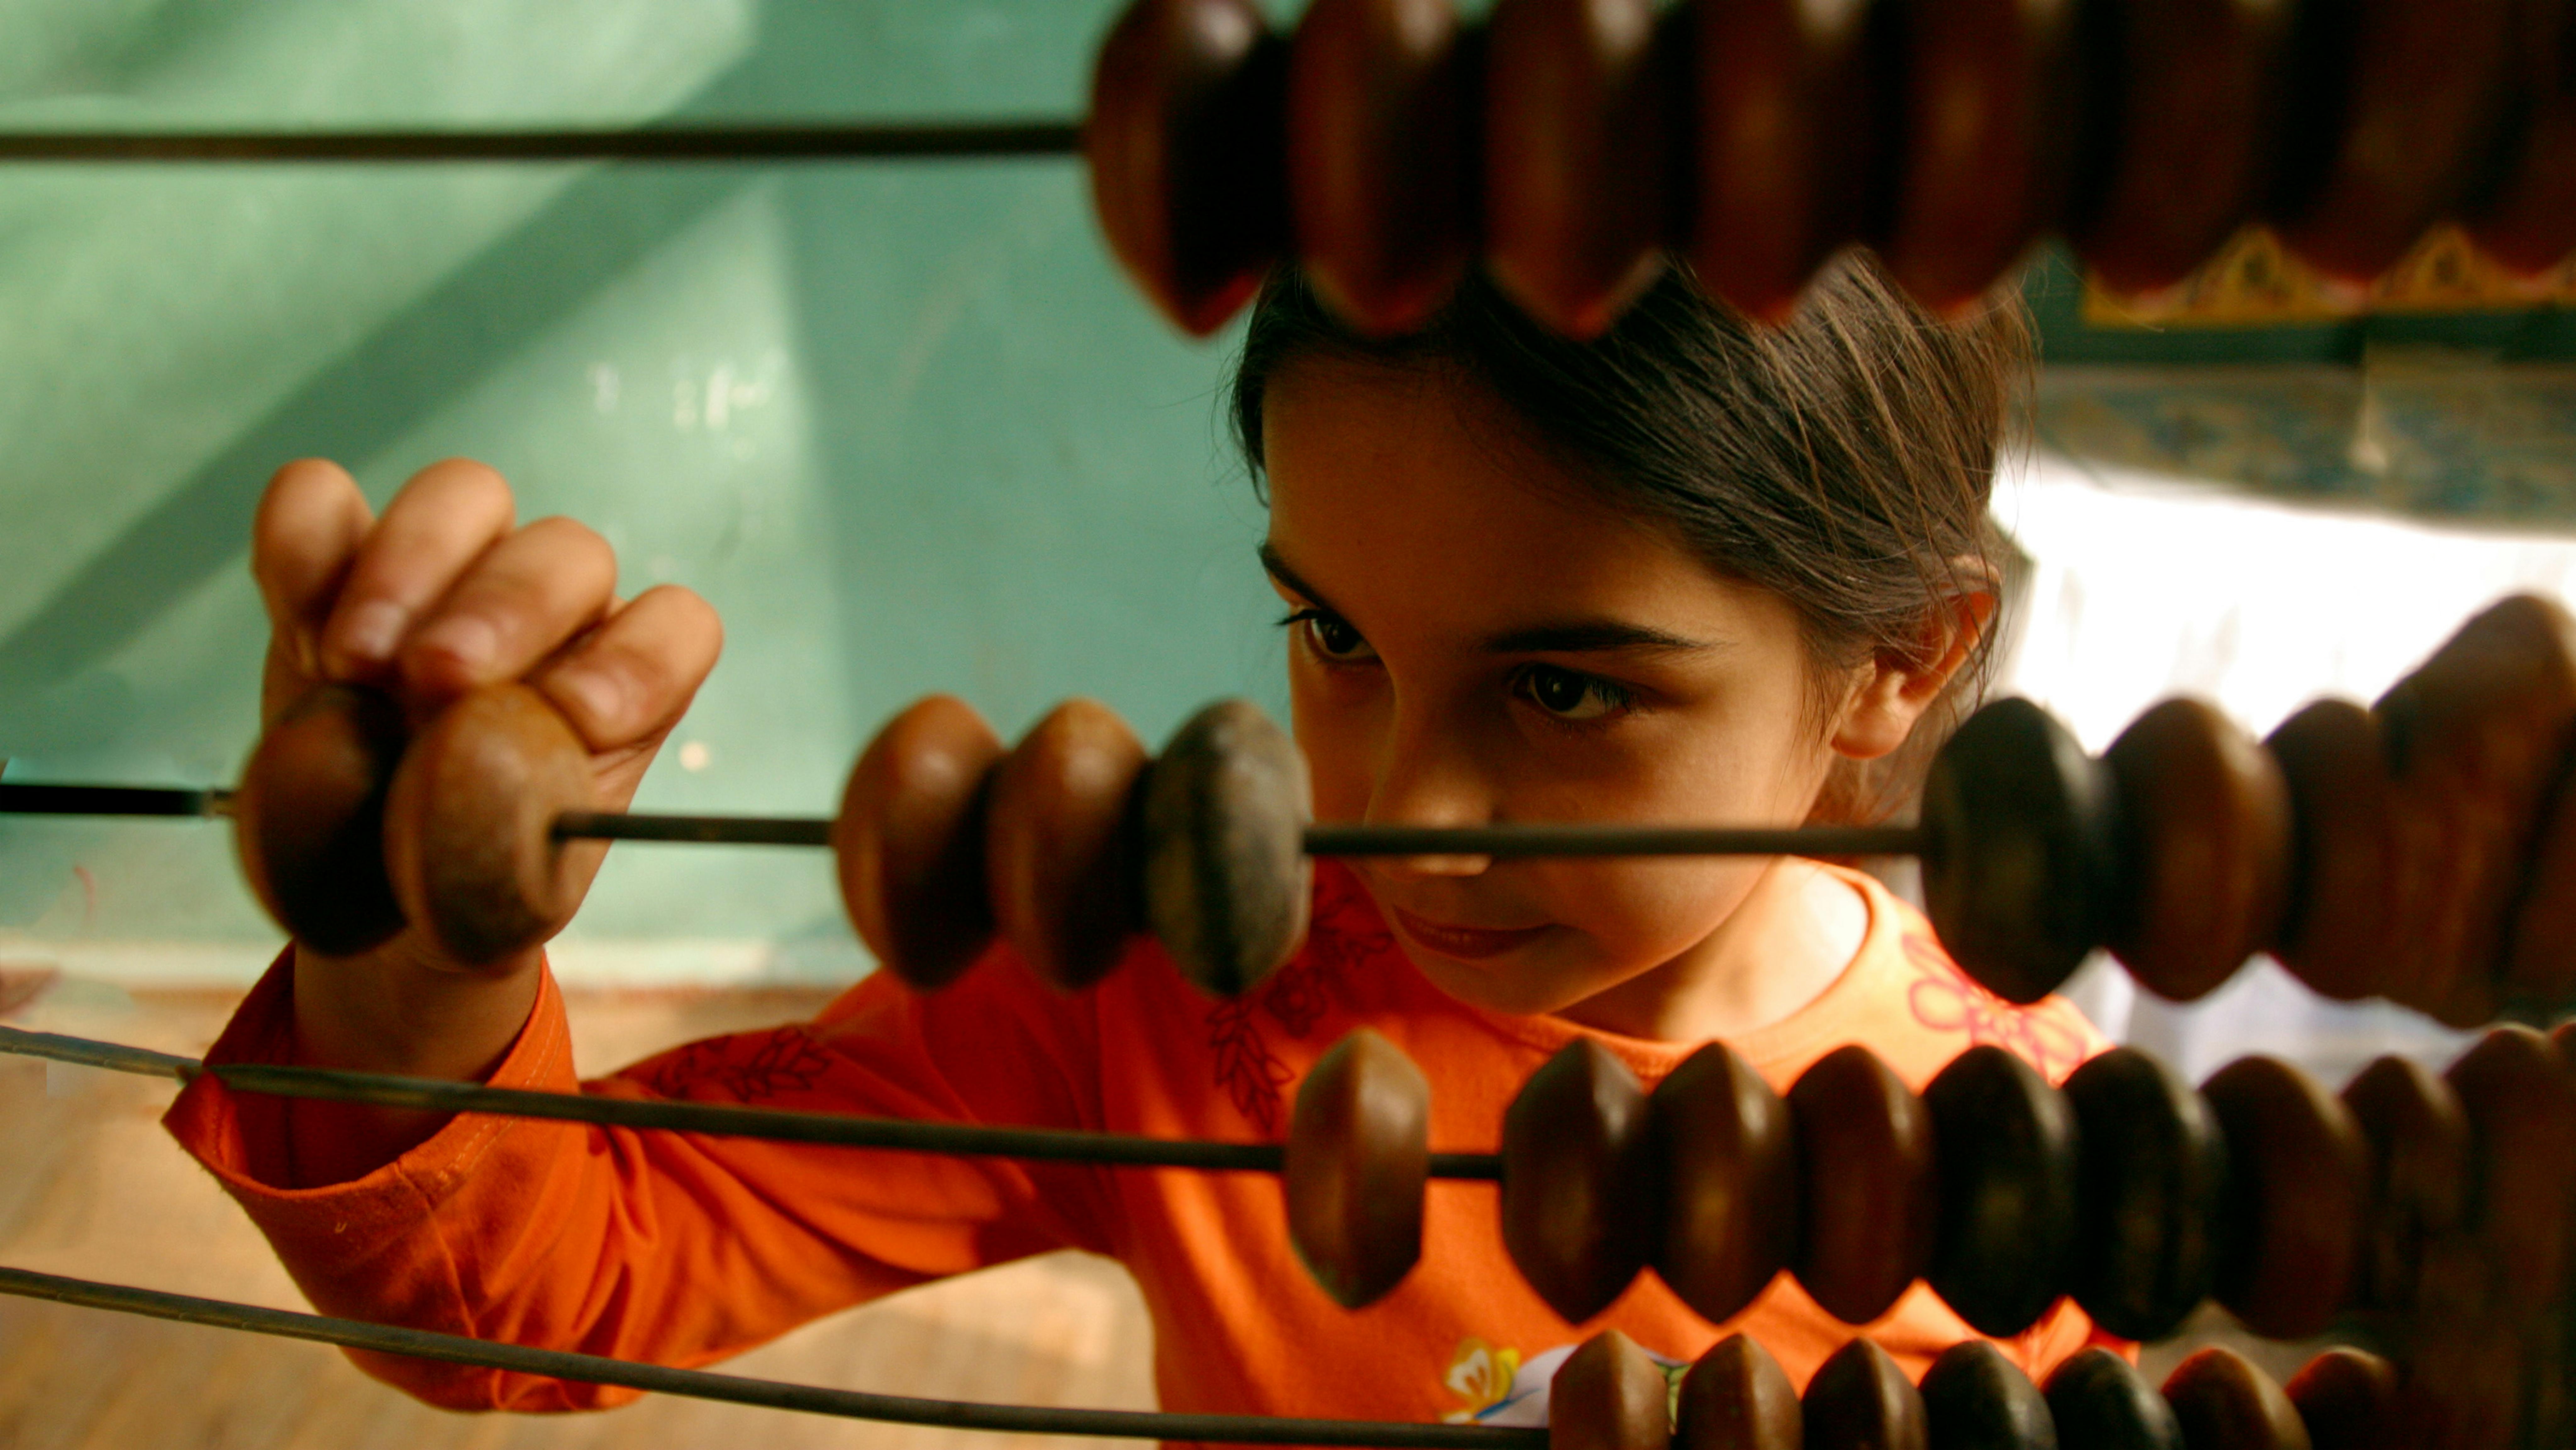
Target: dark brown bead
(1227,882)
(1984,142)
(2296,1168)
(1579,114)
(2208,822)
(2099,1401)
(2007,1152)
(1860,1400)
(1379,165)
(1728,1152)
(2462,1388)
(2021,857)
(1866,1174)
(2522,1132)
(1790,142)
(2526,218)
(2225,1403)
(1187,147)
(2418,1138)
(1062,852)
(2395,107)
(2150,1195)
(2339,925)
(2186,134)
(309,818)
(1975,1399)
(1358,1156)
(1609,1395)
(469,826)
(1578,1180)
(910,841)
(1738,1398)
(2478,738)
(2346,1398)
(2538,976)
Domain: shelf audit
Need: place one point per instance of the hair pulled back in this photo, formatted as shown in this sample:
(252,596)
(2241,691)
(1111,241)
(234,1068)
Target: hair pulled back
(1842,460)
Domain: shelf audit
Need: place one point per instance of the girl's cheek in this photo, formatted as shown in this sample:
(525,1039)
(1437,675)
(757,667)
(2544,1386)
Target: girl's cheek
(1642,913)
(1334,729)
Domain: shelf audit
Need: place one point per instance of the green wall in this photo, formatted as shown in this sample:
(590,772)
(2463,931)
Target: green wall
(902,423)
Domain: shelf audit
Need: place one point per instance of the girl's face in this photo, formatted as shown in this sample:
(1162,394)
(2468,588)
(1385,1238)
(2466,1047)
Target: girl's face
(1470,641)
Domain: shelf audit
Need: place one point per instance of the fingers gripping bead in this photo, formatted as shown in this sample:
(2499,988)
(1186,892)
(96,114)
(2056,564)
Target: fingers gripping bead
(910,841)
(1227,882)
(469,826)
(309,818)
(1577,1200)
(2021,867)
(1358,1156)
(1609,1395)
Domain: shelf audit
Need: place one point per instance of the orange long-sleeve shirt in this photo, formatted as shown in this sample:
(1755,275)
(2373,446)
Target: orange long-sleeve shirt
(685,1249)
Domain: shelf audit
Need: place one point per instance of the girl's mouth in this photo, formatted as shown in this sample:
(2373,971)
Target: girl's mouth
(1468,943)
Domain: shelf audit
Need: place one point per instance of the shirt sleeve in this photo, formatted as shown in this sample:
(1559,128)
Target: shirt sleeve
(670,1247)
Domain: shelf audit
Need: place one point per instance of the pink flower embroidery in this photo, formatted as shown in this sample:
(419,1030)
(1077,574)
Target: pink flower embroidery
(1946,999)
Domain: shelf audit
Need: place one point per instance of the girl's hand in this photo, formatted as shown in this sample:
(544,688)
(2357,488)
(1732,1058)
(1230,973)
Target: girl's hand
(446,593)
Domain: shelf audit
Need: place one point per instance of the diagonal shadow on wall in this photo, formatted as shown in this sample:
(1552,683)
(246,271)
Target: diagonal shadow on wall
(502,300)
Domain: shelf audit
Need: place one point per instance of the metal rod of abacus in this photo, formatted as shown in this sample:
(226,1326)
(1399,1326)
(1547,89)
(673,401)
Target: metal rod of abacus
(927,140)
(773,1394)
(787,1125)
(112,800)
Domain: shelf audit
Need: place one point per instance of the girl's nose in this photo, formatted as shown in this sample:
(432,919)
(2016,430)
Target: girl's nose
(1427,778)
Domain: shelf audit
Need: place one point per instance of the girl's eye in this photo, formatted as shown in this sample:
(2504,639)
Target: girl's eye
(1571,695)
(1332,636)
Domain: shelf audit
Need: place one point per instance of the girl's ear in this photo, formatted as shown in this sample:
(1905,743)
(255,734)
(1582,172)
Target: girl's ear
(1895,689)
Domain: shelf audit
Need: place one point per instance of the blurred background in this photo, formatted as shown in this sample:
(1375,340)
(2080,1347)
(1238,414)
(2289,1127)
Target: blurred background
(907,428)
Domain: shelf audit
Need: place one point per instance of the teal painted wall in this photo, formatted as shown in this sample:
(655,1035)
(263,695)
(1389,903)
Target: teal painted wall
(903,424)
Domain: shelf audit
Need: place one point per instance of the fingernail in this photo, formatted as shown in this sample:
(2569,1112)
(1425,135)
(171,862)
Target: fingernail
(470,642)
(372,632)
(600,694)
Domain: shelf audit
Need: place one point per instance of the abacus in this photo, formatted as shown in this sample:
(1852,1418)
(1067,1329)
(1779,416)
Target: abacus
(2421,849)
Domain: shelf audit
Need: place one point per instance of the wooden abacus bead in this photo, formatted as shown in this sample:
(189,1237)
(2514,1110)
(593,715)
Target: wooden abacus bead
(1187,148)
(1867,1178)
(2296,1167)
(1736,1397)
(1578,111)
(1728,1152)
(2478,738)
(1984,147)
(2006,1145)
(469,826)
(2527,217)
(1578,1180)
(2538,974)
(1860,1400)
(2342,918)
(2417,1134)
(1975,1399)
(2522,1132)
(2021,853)
(2395,107)
(2150,1194)
(2193,116)
(1379,162)
(2208,821)
(1609,1395)
(909,841)
(1062,850)
(1358,1156)
(1227,882)
(309,818)
(2099,1401)
(1790,145)
(2224,1403)
(2346,1398)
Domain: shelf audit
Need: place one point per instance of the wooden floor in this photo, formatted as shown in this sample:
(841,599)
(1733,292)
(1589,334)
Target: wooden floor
(91,1186)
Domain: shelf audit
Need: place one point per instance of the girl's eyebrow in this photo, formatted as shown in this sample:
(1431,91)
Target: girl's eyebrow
(1295,583)
(1594,636)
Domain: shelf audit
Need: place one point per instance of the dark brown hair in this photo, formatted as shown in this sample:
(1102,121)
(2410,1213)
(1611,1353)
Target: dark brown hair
(1842,460)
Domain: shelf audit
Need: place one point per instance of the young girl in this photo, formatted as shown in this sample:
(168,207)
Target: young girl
(1693,572)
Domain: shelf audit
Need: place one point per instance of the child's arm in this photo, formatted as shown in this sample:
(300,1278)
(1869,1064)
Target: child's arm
(447,592)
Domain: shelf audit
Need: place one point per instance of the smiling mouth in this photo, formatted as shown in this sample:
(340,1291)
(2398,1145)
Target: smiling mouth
(1468,943)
